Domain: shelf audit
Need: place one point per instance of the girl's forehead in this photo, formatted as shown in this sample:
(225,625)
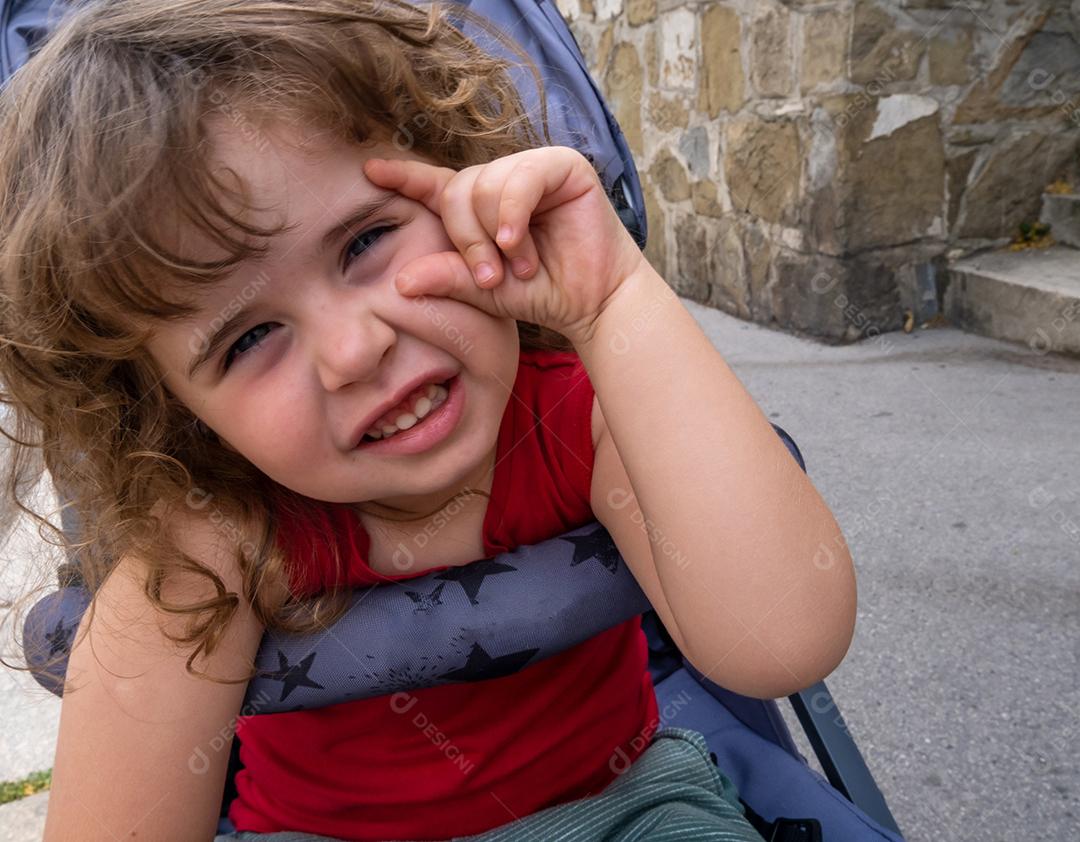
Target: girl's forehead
(261,140)
(282,178)
(279,163)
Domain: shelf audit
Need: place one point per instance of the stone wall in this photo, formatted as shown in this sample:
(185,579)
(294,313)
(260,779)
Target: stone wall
(814,163)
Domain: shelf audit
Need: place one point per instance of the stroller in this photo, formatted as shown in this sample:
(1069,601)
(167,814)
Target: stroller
(786,799)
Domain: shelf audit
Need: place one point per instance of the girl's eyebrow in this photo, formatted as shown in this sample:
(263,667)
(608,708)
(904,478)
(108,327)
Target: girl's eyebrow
(357,216)
(353,218)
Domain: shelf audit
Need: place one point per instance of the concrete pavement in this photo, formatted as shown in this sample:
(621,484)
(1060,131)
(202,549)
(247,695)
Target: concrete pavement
(951,462)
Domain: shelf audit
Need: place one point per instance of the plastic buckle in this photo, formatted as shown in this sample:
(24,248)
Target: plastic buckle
(795,830)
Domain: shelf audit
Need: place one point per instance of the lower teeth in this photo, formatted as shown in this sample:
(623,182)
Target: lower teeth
(434,409)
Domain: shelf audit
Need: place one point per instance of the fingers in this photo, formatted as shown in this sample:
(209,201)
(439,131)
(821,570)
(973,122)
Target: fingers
(460,201)
(486,212)
(487,209)
(519,194)
(444,274)
(449,194)
(415,179)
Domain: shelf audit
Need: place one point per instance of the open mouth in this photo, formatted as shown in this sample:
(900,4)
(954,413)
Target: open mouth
(435,406)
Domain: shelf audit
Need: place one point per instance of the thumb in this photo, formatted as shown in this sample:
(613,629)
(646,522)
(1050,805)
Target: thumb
(445,274)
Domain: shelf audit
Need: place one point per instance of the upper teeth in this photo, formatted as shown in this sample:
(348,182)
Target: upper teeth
(431,397)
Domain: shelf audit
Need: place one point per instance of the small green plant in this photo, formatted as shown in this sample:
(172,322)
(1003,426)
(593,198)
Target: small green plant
(1031,231)
(1032,235)
(33,783)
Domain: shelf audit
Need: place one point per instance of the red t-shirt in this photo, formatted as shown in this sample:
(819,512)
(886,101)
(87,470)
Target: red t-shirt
(463,758)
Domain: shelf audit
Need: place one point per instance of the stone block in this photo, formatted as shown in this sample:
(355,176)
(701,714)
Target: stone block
(640,11)
(1049,65)
(623,84)
(839,300)
(881,51)
(759,254)
(652,57)
(723,83)
(692,277)
(727,287)
(771,70)
(825,43)
(957,170)
(821,204)
(984,102)
(891,185)
(703,196)
(656,251)
(694,145)
(607,9)
(667,114)
(710,264)
(603,50)
(678,49)
(669,175)
(950,59)
(1061,211)
(1008,188)
(763,168)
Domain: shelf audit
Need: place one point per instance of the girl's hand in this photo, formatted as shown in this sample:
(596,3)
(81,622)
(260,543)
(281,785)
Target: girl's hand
(545,210)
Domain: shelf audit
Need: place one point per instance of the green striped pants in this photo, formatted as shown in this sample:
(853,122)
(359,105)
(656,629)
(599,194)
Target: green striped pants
(673,791)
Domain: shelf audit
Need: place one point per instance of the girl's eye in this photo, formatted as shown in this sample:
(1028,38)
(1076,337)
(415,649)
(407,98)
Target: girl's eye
(241,346)
(366,240)
(357,246)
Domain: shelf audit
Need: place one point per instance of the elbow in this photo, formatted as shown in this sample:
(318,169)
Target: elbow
(821,641)
(762,672)
(789,652)
(829,646)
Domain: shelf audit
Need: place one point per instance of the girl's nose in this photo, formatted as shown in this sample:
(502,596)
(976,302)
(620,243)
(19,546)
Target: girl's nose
(349,347)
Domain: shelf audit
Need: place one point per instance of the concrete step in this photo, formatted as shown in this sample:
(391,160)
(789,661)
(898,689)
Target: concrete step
(1030,296)
(1061,211)
(24,820)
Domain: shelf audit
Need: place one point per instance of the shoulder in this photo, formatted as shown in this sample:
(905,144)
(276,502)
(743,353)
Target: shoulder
(135,716)
(198,527)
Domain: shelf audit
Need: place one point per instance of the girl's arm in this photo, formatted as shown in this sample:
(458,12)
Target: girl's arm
(765,601)
(143,746)
(727,535)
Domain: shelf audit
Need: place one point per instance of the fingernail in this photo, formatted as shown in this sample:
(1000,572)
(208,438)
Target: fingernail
(484,272)
(520,265)
(506,233)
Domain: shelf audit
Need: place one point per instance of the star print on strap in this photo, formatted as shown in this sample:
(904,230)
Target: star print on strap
(416,633)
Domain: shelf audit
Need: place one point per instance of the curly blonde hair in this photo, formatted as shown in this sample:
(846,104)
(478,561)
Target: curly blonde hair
(99,127)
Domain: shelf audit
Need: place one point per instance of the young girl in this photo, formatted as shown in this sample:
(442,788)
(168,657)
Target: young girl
(270,347)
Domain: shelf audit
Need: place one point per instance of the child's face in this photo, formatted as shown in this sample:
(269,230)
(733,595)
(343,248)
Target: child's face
(328,339)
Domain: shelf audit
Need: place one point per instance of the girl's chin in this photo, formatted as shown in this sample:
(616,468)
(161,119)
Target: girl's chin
(427,498)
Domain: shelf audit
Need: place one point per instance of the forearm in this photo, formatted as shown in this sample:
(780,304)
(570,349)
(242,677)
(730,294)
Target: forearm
(751,561)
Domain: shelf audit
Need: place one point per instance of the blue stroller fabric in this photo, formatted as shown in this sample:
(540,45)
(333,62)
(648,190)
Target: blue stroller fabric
(465,623)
